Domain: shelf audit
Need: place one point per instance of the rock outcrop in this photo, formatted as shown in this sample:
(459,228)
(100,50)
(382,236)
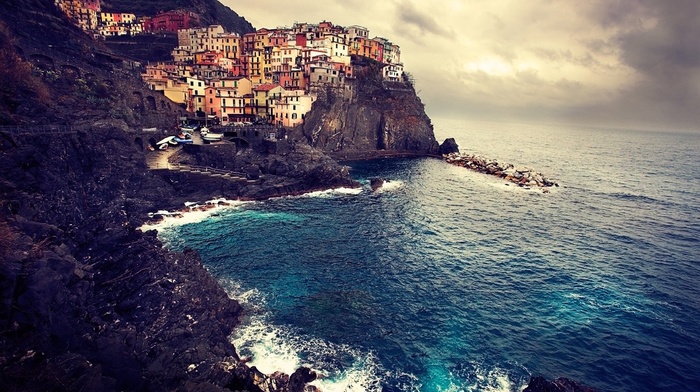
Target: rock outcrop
(368,118)
(522,177)
(89,302)
(298,169)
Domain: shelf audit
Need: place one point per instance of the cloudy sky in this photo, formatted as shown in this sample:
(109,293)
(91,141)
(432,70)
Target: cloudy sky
(605,62)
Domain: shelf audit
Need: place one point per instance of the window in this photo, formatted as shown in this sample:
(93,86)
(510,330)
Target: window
(211,100)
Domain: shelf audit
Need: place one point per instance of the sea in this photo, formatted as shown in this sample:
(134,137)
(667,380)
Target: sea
(446,279)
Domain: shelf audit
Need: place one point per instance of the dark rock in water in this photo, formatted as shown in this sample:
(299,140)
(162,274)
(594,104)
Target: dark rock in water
(539,384)
(376,183)
(299,379)
(449,146)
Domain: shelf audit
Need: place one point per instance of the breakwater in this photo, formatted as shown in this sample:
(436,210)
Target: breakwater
(522,177)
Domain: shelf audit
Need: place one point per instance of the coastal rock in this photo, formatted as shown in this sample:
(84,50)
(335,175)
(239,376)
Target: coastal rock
(89,301)
(301,168)
(299,379)
(449,146)
(376,183)
(369,118)
(522,177)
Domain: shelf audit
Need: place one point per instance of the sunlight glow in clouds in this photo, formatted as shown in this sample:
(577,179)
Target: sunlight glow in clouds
(611,62)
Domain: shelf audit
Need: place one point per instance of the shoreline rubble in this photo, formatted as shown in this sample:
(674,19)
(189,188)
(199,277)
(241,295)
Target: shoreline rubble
(522,177)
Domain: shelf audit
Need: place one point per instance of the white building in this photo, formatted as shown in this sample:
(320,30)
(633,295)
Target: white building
(292,107)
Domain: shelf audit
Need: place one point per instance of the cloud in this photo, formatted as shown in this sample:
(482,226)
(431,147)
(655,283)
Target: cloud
(660,45)
(614,61)
(410,16)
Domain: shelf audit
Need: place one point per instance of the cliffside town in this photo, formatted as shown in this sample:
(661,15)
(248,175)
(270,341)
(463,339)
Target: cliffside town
(269,75)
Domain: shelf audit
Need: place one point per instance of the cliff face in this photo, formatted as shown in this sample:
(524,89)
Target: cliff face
(87,301)
(370,117)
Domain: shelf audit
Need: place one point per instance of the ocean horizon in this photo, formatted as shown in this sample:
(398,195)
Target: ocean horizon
(449,280)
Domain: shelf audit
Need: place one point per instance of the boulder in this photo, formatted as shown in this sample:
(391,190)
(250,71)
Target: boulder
(376,183)
(449,146)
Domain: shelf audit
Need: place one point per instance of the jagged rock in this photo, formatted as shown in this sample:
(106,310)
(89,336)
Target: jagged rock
(90,301)
(252,172)
(299,379)
(521,177)
(376,183)
(449,146)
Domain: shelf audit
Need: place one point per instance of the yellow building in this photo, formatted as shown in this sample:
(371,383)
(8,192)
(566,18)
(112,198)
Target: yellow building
(264,99)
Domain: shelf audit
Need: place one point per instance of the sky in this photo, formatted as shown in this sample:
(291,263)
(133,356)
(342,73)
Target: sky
(621,63)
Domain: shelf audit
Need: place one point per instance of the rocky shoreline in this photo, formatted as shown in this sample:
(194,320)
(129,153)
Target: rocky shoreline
(88,301)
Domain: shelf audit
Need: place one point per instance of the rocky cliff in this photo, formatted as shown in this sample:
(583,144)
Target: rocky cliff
(87,301)
(368,117)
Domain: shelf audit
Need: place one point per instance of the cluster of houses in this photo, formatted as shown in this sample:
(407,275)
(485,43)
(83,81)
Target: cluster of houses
(267,76)
(270,75)
(89,16)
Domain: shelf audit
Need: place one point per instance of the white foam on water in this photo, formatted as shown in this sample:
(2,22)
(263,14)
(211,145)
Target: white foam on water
(495,379)
(353,380)
(193,213)
(511,187)
(271,348)
(391,185)
(333,192)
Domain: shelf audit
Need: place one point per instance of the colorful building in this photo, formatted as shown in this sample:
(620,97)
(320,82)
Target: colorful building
(265,96)
(171,21)
(292,107)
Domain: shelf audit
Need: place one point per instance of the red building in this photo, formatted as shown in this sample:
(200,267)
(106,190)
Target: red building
(170,21)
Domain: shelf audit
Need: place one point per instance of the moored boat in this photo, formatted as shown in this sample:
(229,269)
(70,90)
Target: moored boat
(210,136)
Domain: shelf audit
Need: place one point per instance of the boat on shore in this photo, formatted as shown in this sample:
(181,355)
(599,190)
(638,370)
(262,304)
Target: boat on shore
(190,128)
(210,136)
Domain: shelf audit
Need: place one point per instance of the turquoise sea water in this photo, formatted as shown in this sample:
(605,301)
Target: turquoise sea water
(449,280)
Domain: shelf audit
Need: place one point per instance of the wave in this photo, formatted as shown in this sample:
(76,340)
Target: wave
(390,186)
(271,348)
(633,197)
(192,213)
(332,192)
(477,376)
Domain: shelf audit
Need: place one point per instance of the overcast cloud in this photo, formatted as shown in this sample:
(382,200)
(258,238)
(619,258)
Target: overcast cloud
(606,62)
